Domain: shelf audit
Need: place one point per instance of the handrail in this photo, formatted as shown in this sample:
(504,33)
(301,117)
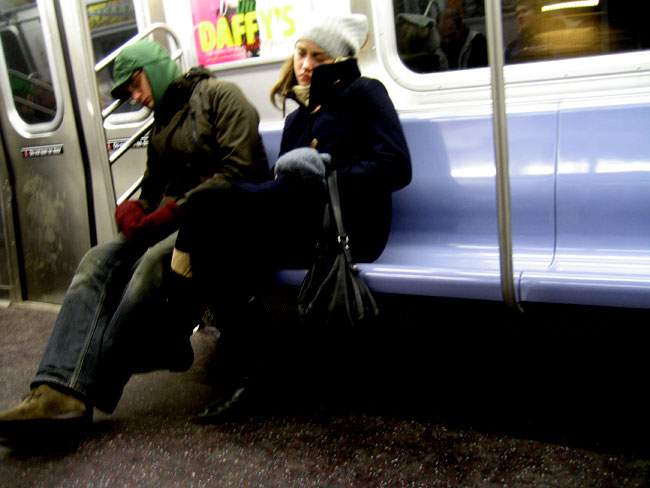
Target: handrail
(31,79)
(130,141)
(128,193)
(34,82)
(28,103)
(115,104)
(139,36)
(495,57)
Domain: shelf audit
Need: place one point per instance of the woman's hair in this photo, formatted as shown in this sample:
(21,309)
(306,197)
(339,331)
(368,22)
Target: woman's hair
(283,87)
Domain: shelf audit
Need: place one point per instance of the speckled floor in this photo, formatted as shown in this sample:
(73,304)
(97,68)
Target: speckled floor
(462,409)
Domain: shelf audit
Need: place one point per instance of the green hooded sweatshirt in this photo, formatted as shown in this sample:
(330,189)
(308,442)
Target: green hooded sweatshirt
(150,57)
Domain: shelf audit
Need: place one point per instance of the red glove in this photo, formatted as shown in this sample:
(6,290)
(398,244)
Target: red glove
(127,216)
(164,215)
(156,225)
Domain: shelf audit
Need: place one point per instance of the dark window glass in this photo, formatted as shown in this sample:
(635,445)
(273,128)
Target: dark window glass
(27,65)
(543,29)
(440,35)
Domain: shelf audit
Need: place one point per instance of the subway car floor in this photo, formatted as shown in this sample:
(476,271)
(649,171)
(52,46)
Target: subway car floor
(443,394)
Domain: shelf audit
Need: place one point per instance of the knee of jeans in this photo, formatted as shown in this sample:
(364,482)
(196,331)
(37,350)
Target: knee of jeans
(92,264)
(98,262)
(149,270)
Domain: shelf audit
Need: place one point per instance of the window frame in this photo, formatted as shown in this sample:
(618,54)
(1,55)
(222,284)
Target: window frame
(19,124)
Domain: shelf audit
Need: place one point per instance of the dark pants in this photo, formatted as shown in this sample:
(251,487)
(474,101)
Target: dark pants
(237,236)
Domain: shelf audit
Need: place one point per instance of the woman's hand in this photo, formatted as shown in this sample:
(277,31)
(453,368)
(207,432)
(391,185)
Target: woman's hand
(305,162)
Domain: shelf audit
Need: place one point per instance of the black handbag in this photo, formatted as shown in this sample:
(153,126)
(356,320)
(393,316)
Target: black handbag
(333,294)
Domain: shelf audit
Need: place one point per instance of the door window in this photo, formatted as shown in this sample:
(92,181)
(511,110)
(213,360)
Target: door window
(26,62)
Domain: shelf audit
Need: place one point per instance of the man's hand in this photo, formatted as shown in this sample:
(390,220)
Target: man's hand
(127,216)
(138,226)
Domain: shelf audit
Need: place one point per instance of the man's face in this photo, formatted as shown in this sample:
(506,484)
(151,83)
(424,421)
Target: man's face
(449,31)
(139,88)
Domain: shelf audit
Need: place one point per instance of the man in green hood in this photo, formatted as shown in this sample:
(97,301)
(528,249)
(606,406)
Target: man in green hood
(117,318)
(152,60)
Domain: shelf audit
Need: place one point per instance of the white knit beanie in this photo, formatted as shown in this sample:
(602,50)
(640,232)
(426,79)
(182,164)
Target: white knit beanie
(340,36)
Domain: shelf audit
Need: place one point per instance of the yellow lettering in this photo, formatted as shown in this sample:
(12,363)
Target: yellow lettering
(207,36)
(250,20)
(224,36)
(292,25)
(267,18)
(238,30)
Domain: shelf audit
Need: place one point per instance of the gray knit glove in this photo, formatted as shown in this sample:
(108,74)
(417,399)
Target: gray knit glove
(305,162)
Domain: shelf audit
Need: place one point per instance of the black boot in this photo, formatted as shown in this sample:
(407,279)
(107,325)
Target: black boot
(236,402)
(184,310)
(243,345)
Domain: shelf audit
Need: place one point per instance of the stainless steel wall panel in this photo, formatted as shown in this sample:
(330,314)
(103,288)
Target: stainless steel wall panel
(49,178)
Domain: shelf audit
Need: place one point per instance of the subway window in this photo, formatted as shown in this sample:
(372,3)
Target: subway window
(112,23)
(554,29)
(26,62)
(441,35)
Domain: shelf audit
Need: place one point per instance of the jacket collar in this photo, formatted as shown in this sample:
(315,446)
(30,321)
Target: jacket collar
(179,90)
(329,80)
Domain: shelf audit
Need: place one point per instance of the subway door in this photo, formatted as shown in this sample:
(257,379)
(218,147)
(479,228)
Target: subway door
(43,155)
(9,282)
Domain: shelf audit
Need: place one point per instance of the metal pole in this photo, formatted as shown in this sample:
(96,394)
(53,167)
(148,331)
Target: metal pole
(495,57)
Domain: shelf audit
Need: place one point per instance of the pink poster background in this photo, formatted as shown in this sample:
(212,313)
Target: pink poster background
(207,10)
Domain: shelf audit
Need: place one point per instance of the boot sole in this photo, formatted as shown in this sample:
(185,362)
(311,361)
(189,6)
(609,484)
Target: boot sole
(34,430)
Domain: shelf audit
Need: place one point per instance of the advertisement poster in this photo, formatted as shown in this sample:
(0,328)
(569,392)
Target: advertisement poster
(227,30)
(110,13)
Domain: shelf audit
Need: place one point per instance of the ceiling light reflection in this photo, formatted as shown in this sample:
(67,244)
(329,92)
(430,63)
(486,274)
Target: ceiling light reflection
(573,4)
(612,166)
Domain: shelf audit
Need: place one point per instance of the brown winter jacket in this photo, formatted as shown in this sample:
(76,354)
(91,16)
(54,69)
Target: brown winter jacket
(205,133)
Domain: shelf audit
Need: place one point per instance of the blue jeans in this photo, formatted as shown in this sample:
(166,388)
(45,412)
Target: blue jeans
(111,307)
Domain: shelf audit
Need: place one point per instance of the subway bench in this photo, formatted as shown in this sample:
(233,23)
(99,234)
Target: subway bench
(581,235)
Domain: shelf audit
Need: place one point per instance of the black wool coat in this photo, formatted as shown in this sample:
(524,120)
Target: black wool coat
(353,119)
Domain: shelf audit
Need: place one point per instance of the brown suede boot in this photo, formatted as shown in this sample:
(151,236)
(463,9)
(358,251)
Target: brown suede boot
(44,411)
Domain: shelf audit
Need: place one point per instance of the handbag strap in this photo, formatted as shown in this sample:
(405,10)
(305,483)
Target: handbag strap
(335,202)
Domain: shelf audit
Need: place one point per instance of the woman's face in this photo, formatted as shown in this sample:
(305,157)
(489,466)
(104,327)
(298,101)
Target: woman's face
(140,89)
(306,57)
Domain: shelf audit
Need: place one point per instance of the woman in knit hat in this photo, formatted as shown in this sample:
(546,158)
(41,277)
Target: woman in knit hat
(349,117)
(345,123)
